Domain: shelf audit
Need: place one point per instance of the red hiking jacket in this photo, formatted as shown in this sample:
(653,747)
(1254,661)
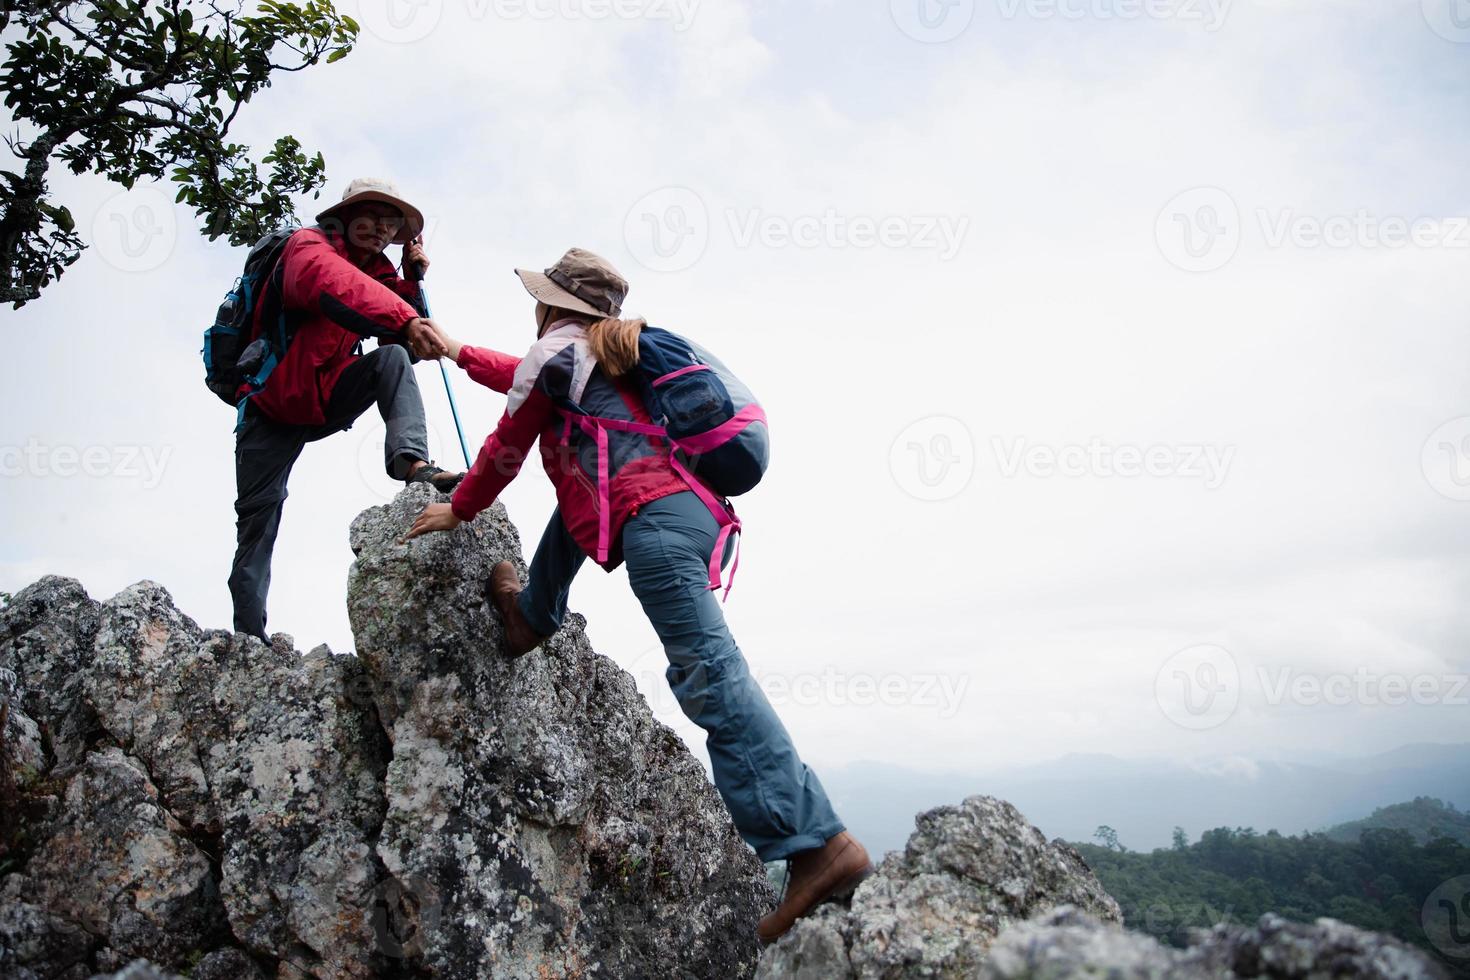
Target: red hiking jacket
(335,304)
(560,370)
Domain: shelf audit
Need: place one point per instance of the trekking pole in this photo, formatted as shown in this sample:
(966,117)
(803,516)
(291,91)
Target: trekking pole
(443,371)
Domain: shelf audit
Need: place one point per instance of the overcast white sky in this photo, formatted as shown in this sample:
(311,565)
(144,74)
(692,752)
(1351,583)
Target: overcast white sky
(1088,331)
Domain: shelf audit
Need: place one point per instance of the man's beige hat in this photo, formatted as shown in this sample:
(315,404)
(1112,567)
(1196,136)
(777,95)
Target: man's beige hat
(378,189)
(582,281)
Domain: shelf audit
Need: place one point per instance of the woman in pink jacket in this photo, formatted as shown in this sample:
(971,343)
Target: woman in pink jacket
(658,525)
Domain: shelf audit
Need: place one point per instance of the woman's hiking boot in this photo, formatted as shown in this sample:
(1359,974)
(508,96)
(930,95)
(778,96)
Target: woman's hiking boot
(505,585)
(817,874)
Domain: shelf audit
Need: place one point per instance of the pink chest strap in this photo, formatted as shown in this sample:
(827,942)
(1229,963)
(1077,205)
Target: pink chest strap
(729,524)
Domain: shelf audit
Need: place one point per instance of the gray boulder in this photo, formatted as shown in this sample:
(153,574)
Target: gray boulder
(934,908)
(540,821)
(115,865)
(1067,943)
(46,632)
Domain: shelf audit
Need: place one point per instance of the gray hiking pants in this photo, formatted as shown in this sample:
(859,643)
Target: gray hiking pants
(265,451)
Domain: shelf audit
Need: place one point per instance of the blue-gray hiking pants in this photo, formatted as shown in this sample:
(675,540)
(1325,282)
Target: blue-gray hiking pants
(776,801)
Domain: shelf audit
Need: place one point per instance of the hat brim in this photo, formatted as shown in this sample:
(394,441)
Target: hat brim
(548,292)
(413,218)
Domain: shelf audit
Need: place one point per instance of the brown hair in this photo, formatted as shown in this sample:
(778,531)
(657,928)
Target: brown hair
(615,344)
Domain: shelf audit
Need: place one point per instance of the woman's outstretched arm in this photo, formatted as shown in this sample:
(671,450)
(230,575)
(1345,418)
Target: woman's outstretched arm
(485,366)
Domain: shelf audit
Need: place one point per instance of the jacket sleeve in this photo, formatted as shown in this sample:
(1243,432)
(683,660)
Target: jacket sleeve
(502,455)
(488,367)
(317,279)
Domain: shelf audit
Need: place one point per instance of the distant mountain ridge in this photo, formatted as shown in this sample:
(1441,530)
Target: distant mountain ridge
(1145,799)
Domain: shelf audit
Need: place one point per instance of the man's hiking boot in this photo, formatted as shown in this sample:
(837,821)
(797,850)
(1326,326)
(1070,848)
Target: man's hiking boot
(505,585)
(818,874)
(440,480)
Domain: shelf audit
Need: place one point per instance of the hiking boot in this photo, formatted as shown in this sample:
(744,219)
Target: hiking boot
(440,480)
(818,874)
(505,585)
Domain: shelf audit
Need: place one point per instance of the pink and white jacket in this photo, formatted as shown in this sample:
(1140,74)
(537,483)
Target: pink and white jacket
(555,382)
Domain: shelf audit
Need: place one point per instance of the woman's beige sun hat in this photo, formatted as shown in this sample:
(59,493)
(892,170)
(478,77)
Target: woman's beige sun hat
(385,191)
(581,281)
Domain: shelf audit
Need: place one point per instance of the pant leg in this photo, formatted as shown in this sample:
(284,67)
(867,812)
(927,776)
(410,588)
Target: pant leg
(557,559)
(776,801)
(384,376)
(264,454)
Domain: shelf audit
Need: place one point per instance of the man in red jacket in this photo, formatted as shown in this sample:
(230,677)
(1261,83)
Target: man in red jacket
(336,287)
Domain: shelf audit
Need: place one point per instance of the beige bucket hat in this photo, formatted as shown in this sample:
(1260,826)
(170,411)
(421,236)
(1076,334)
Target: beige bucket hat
(582,281)
(378,189)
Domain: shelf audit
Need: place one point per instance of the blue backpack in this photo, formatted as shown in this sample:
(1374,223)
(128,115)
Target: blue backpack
(231,359)
(708,414)
(716,430)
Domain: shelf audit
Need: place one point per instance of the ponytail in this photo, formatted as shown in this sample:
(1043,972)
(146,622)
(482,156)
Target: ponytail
(615,344)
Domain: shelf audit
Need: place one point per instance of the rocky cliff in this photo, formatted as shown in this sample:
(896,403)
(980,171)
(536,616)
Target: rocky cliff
(178,801)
